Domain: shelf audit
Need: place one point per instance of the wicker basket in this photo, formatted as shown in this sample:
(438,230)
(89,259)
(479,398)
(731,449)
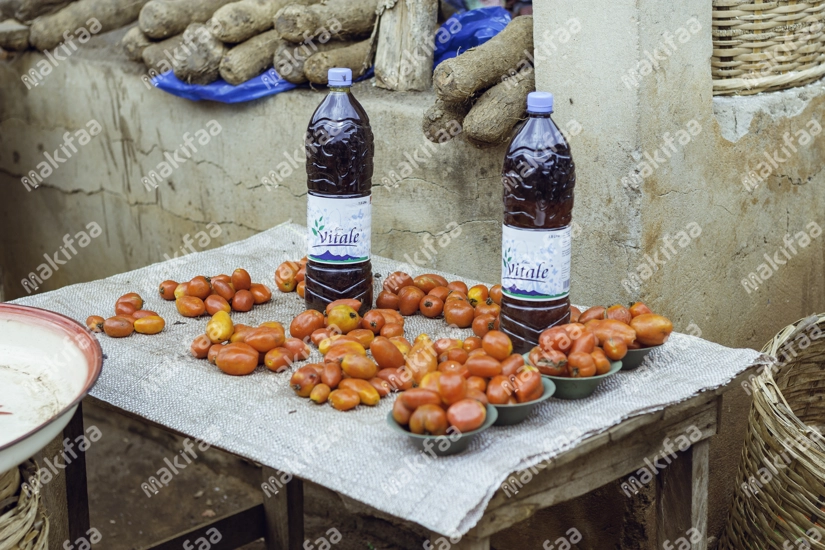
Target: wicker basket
(765,46)
(23,524)
(779,500)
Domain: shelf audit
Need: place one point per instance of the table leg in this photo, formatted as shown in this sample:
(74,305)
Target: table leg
(284,507)
(441,541)
(682,500)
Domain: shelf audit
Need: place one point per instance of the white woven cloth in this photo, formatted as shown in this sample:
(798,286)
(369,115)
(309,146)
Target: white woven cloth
(355,453)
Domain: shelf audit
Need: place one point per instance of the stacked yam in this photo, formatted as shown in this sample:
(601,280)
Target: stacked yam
(238,40)
(481,90)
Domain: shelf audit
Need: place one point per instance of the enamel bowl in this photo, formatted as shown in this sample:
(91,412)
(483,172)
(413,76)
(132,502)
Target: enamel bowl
(48,363)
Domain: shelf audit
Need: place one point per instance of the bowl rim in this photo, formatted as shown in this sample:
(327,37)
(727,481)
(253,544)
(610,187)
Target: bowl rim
(647,349)
(70,327)
(545,380)
(488,421)
(615,366)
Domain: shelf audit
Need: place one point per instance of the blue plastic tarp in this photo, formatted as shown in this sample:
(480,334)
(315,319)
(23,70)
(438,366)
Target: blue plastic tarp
(459,33)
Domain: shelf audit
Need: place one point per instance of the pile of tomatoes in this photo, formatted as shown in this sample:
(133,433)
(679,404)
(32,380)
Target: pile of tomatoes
(205,295)
(237,349)
(129,317)
(289,277)
(585,346)
(432,296)
(460,378)
(348,377)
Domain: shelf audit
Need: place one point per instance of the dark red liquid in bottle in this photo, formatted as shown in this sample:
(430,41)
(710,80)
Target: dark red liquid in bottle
(340,148)
(538,177)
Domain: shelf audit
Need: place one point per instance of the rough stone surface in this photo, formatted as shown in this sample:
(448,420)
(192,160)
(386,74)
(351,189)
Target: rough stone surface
(701,182)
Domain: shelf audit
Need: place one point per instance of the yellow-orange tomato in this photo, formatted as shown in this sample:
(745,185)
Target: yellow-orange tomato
(586,342)
(396,281)
(556,338)
(511,365)
(118,326)
(483,365)
(387,300)
(364,336)
(527,383)
(392,329)
(429,420)
(580,365)
(456,295)
(471,343)
(220,327)
(180,290)
(298,348)
(480,396)
(95,323)
(358,366)
(223,289)
(443,345)
(466,415)
(610,328)
(399,379)
(458,313)
(440,292)
(459,355)
(200,346)
(373,321)
(454,367)
(495,294)
(499,390)
(386,354)
(344,317)
(260,293)
(304,380)
(639,309)
(216,303)
(619,313)
(190,306)
(199,287)
(409,298)
(344,400)
(301,289)
(601,361)
(240,332)
(131,298)
(319,335)
(366,392)
(430,381)
(335,339)
(340,350)
(477,382)
(351,302)
(304,324)
(416,397)
(425,283)
(401,413)
(125,309)
(460,286)
(431,306)
(575,313)
(651,329)
(421,359)
(149,325)
(320,393)
(264,339)
(237,359)
(166,289)
(332,374)
(497,345)
(489,307)
(222,277)
(381,386)
(482,324)
(452,387)
(478,295)
(614,348)
(595,312)
(212,354)
(402,344)
(278,359)
(285,276)
(551,362)
(243,300)
(241,279)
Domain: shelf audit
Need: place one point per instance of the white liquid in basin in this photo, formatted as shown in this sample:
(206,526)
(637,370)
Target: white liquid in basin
(41,372)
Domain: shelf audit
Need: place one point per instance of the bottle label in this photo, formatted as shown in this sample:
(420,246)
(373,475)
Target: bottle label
(535,263)
(339,230)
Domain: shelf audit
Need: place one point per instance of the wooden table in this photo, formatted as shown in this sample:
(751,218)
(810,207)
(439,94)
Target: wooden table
(681,487)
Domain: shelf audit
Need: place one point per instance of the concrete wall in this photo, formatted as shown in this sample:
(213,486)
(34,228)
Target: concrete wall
(627,112)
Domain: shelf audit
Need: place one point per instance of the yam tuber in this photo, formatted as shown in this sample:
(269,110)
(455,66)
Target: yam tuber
(8,8)
(251,58)
(106,15)
(14,36)
(29,10)
(443,121)
(343,18)
(134,42)
(162,56)
(353,57)
(403,59)
(240,21)
(460,78)
(290,58)
(165,18)
(498,110)
(202,64)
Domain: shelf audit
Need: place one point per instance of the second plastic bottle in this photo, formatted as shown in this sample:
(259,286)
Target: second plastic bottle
(340,148)
(538,178)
